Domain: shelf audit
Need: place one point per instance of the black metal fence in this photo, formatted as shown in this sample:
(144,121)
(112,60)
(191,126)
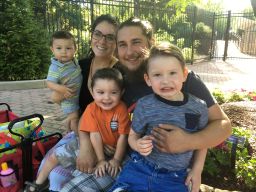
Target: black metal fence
(196,31)
(234,36)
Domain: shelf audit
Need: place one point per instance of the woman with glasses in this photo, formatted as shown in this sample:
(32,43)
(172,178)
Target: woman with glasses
(100,55)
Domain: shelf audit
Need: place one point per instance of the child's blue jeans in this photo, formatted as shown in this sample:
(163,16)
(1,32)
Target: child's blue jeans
(141,175)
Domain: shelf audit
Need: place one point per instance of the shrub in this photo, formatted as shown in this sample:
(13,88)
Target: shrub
(162,35)
(24,45)
(187,53)
(203,31)
(203,34)
(218,161)
(180,42)
(233,96)
(219,96)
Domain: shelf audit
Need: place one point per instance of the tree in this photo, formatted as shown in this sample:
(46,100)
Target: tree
(253,3)
(180,5)
(24,45)
(212,6)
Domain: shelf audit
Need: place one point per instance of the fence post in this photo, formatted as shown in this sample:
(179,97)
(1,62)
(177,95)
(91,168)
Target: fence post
(227,36)
(91,10)
(213,34)
(136,8)
(193,34)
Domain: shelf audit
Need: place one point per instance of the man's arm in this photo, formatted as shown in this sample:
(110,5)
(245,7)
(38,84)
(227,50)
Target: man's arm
(194,176)
(169,138)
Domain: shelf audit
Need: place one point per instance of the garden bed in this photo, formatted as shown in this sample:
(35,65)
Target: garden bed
(242,114)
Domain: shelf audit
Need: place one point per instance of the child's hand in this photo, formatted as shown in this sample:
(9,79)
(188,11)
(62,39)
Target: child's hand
(101,167)
(145,145)
(66,91)
(194,179)
(113,167)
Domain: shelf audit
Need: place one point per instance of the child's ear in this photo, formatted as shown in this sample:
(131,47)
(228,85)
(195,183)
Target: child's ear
(51,48)
(146,78)
(185,74)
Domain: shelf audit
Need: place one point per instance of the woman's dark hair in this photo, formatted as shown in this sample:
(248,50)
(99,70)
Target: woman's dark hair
(109,74)
(103,18)
(62,35)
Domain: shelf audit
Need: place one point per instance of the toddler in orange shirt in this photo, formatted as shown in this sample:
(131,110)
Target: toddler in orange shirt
(106,120)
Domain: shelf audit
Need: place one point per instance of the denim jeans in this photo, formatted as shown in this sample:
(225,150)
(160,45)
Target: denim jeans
(140,175)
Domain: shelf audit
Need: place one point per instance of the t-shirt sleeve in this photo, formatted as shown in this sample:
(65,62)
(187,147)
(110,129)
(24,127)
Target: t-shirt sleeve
(138,120)
(53,74)
(87,122)
(124,120)
(195,86)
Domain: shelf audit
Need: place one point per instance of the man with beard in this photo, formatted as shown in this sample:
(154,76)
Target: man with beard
(134,39)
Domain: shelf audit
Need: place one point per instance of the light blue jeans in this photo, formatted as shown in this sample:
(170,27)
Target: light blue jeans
(141,175)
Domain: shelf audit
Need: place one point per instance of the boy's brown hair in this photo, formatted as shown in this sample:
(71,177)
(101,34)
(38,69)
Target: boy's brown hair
(165,49)
(62,35)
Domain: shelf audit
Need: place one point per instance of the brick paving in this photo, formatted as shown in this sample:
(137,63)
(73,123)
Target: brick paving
(216,74)
(230,75)
(30,101)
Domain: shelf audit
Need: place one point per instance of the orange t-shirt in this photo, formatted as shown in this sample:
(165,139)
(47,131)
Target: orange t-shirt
(110,124)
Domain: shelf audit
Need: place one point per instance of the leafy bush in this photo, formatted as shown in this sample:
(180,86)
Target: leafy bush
(187,53)
(162,35)
(180,42)
(234,95)
(245,169)
(181,28)
(203,34)
(219,96)
(246,160)
(218,161)
(203,31)
(24,45)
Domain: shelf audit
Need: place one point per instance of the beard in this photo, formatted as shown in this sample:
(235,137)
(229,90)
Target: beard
(133,76)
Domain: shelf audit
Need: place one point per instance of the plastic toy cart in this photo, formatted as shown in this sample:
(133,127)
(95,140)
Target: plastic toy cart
(23,152)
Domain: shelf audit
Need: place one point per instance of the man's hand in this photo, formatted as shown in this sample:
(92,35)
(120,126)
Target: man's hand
(193,180)
(171,139)
(144,145)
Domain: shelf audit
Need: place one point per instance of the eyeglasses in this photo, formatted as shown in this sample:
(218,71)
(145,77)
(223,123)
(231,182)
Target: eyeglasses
(97,35)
